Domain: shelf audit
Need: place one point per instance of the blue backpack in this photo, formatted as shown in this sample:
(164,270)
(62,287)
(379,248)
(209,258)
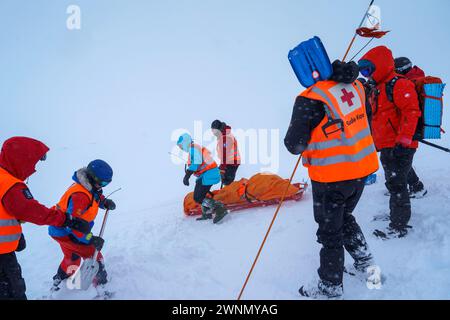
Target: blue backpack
(310,62)
(430,91)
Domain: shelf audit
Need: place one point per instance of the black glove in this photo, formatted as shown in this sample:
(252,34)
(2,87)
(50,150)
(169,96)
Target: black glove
(22,244)
(186,178)
(77,224)
(97,242)
(109,204)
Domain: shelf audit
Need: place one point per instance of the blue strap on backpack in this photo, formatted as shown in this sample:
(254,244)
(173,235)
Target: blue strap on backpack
(310,62)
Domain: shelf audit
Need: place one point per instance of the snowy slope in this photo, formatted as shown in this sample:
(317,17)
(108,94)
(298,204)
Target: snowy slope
(120,87)
(157,253)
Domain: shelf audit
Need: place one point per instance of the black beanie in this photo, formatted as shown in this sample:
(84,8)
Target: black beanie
(345,72)
(403,65)
(218,125)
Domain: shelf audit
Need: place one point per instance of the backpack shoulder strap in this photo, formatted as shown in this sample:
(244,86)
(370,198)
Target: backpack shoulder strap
(390,88)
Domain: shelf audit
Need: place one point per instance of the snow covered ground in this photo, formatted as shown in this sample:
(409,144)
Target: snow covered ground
(119,87)
(157,253)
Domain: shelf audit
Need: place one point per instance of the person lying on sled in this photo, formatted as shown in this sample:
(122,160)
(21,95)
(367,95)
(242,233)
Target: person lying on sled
(202,165)
(83,199)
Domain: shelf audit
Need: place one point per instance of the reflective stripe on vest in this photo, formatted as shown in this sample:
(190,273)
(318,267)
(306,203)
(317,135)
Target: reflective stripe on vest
(208,162)
(10,238)
(342,155)
(343,158)
(340,142)
(9,223)
(10,228)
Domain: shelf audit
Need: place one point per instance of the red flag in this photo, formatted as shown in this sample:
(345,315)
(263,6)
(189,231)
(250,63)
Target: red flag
(371,32)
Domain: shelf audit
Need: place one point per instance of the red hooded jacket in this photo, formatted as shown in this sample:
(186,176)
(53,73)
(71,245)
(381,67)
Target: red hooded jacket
(392,122)
(19,156)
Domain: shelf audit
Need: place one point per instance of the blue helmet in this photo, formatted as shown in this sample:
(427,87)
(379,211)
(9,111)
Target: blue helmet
(100,172)
(184,142)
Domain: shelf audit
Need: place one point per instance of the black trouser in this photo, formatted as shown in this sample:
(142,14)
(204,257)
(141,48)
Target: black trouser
(12,285)
(229,175)
(397,167)
(338,229)
(200,191)
(413,178)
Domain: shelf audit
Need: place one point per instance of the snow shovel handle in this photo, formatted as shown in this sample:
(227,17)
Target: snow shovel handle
(102,231)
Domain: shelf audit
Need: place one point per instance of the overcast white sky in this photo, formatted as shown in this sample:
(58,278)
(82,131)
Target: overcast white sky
(137,70)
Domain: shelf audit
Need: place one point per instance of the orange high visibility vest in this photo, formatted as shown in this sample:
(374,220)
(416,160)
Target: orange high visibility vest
(232,156)
(340,155)
(88,215)
(208,162)
(10,228)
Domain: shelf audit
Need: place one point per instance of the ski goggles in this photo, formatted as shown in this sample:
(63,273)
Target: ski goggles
(366,68)
(405,68)
(101,183)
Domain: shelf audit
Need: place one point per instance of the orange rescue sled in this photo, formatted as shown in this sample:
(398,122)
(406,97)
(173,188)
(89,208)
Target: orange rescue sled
(261,190)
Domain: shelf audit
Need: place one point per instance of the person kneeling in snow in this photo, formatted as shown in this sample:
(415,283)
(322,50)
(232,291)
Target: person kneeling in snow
(202,165)
(82,200)
(329,128)
(227,149)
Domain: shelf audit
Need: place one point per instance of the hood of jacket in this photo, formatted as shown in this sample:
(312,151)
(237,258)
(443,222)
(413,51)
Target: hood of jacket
(19,156)
(383,61)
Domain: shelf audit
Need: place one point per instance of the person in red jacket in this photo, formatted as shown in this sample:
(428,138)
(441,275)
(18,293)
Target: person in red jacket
(405,67)
(394,123)
(228,151)
(18,159)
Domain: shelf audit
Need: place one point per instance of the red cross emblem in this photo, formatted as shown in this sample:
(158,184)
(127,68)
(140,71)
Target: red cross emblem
(347,97)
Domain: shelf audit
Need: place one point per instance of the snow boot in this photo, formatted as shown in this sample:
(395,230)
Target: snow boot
(59,277)
(207,210)
(417,190)
(322,290)
(392,233)
(102,276)
(220,211)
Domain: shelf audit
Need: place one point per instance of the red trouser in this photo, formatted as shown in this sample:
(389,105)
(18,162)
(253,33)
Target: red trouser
(73,252)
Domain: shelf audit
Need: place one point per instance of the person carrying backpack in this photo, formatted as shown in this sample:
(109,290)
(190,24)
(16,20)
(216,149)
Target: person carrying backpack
(394,123)
(202,165)
(329,128)
(404,66)
(227,150)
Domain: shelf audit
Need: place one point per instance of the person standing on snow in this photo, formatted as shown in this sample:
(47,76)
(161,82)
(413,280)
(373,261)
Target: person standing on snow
(227,150)
(18,159)
(82,201)
(393,127)
(329,128)
(202,165)
(405,67)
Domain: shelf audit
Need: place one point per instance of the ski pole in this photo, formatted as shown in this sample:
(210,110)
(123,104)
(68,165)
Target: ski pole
(360,25)
(435,146)
(270,228)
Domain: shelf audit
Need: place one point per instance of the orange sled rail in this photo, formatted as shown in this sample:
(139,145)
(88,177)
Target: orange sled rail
(249,204)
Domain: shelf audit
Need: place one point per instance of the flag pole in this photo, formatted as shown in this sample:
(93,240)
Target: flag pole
(355,35)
